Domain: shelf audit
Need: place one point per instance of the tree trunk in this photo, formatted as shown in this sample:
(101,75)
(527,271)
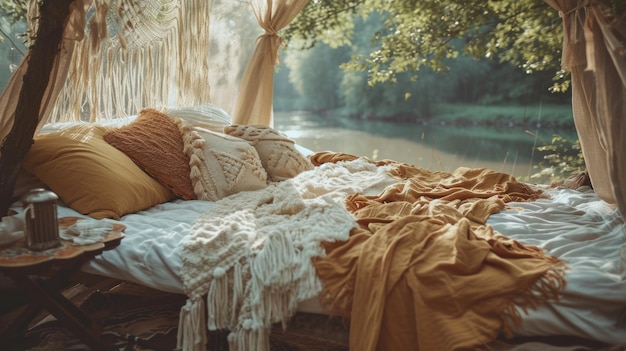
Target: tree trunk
(52,21)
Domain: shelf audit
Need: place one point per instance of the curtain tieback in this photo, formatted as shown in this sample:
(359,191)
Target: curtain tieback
(278,40)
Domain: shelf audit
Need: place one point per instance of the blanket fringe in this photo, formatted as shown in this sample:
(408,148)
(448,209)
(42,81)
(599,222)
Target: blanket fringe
(191,327)
(238,292)
(273,262)
(269,239)
(217,301)
(546,288)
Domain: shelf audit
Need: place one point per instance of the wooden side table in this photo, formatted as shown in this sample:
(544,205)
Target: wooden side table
(43,273)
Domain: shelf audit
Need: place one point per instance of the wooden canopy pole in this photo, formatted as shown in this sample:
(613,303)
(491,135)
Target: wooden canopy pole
(53,18)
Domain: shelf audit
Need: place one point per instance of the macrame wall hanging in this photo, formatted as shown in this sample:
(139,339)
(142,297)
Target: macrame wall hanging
(134,54)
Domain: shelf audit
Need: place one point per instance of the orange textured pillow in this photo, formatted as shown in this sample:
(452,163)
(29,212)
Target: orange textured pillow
(154,142)
(91,176)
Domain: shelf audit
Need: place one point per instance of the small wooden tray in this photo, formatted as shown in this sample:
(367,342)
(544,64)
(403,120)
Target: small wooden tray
(17,254)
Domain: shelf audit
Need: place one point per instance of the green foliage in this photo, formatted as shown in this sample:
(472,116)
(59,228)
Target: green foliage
(413,34)
(455,79)
(328,21)
(316,74)
(562,157)
(550,114)
(12,37)
(13,10)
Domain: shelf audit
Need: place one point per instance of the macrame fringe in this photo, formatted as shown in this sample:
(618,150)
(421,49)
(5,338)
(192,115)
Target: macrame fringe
(238,291)
(310,284)
(192,331)
(272,262)
(273,270)
(218,302)
(143,64)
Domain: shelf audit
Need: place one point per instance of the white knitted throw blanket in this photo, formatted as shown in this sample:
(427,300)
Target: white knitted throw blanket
(247,263)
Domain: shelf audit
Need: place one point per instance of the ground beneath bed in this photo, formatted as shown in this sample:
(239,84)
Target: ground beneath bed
(134,317)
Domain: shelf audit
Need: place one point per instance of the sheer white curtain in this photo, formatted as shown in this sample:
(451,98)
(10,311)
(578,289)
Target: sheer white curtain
(74,33)
(254,103)
(114,65)
(594,52)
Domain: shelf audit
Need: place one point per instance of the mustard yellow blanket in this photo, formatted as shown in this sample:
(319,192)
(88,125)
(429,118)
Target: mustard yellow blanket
(423,271)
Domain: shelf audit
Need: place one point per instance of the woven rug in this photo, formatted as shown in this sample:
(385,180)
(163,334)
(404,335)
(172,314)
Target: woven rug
(134,317)
(131,317)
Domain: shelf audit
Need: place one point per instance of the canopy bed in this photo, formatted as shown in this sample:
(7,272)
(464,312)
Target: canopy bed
(254,229)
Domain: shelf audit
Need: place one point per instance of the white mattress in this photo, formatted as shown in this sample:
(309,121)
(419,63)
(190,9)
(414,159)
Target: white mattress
(574,225)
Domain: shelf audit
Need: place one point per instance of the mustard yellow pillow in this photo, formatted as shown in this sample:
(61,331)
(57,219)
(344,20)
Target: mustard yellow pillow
(279,155)
(221,165)
(24,183)
(154,142)
(91,176)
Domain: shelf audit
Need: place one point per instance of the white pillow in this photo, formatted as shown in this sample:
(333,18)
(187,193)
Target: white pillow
(211,117)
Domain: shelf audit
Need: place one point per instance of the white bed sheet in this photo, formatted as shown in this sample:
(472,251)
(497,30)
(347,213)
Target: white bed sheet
(591,237)
(150,253)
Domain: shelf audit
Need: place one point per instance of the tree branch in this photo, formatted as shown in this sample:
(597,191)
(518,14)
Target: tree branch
(53,19)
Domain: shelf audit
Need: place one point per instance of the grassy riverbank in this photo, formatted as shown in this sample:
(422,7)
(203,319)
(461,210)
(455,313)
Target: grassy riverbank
(527,116)
(558,116)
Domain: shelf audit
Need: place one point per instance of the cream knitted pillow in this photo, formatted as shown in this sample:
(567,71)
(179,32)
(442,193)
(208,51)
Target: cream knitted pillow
(279,155)
(221,165)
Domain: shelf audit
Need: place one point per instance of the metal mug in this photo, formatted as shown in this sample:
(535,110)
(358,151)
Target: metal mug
(41,226)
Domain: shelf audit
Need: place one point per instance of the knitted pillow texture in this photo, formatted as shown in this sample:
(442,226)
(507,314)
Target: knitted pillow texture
(154,142)
(279,155)
(91,176)
(221,165)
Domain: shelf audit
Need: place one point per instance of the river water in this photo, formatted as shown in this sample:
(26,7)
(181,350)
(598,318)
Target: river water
(434,146)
